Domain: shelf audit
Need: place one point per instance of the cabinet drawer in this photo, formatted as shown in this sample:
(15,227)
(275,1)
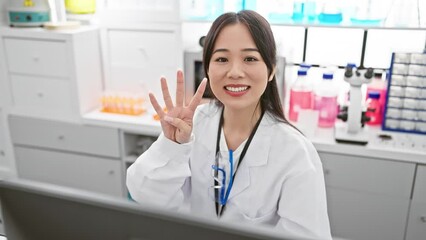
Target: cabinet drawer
(49,58)
(79,171)
(420,185)
(41,93)
(368,175)
(100,141)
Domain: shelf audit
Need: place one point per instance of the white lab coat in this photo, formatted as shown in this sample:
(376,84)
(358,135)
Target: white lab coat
(279,183)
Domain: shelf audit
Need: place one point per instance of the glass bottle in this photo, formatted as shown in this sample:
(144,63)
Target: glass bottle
(331,12)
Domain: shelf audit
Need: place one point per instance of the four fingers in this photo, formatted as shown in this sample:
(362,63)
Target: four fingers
(180,124)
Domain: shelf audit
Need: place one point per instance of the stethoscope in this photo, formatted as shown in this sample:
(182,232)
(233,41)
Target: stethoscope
(222,196)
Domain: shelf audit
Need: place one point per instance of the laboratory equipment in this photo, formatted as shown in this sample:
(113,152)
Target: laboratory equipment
(374,108)
(331,12)
(298,10)
(378,84)
(369,12)
(249,5)
(325,101)
(280,11)
(80,6)
(28,13)
(300,95)
(304,11)
(405,108)
(122,103)
(354,131)
(202,9)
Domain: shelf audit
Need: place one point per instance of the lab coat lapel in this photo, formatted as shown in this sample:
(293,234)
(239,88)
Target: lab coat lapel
(208,141)
(257,155)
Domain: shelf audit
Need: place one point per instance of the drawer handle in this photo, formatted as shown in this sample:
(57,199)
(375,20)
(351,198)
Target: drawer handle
(2,153)
(423,219)
(61,137)
(111,172)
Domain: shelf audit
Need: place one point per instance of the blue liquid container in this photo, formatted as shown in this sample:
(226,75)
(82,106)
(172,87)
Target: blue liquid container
(331,13)
(298,11)
(304,11)
(310,9)
(330,18)
(249,5)
(217,8)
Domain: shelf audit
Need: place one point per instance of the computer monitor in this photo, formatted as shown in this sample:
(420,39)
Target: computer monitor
(34,210)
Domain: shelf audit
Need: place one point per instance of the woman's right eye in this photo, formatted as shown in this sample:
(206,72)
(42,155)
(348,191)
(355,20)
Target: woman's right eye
(221,59)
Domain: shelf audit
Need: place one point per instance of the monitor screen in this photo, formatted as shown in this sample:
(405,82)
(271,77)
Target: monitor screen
(34,210)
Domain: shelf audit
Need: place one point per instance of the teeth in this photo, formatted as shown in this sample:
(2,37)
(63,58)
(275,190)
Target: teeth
(236,89)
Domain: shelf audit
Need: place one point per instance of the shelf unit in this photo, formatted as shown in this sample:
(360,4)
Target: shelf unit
(52,74)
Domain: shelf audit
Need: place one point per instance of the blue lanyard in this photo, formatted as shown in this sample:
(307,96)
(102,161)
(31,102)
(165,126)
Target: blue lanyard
(224,197)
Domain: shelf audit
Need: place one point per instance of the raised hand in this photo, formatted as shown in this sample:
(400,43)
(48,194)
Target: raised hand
(177,122)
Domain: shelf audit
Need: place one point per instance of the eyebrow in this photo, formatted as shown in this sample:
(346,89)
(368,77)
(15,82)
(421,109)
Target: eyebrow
(243,50)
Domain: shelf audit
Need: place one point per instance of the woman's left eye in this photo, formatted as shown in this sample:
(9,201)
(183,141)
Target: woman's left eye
(250,59)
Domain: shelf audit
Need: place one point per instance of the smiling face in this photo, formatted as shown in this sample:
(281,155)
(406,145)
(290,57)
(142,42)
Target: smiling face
(238,75)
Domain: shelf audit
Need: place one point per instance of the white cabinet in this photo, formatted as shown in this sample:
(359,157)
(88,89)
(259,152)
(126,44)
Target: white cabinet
(74,170)
(416,228)
(367,198)
(86,157)
(52,74)
(135,57)
(141,41)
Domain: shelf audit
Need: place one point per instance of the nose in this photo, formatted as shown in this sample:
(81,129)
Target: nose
(235,71)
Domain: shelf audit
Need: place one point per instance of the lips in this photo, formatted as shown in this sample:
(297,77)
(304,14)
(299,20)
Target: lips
(236,90)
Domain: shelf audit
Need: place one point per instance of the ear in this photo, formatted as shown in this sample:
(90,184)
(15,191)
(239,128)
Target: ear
(272,74)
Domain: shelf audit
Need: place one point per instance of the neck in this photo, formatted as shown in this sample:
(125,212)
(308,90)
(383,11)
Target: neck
(239,123)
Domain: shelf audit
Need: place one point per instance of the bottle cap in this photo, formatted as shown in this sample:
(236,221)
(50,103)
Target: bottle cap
(305,65)
(302,72)
(352,65)
(374,95)
(327,76)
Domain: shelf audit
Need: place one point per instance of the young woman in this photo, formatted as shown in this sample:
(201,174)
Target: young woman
(237,158)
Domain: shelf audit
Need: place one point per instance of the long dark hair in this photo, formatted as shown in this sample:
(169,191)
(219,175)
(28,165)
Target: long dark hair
(263,37)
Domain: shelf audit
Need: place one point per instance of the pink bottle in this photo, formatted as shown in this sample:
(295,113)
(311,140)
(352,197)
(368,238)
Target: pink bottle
(374,108)
(325,101)
(378,85)
(300,95)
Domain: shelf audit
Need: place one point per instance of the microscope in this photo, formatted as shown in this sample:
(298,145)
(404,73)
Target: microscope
(354,131)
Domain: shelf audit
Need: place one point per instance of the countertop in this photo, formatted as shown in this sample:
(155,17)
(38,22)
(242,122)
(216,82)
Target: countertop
(401,147)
